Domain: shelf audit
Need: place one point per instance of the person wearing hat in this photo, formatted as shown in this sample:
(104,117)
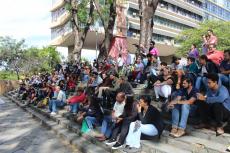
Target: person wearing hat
(75,100)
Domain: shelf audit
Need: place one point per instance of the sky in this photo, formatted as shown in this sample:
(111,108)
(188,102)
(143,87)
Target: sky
(27,19)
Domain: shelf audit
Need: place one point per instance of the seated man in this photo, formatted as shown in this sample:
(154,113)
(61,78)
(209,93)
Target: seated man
(215,104)
(225,69)
(185,98)
(109,120)
(76,100)
(207,66)
(149,123)
(59,100)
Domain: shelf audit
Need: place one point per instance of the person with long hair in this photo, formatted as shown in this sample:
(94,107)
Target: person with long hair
(122,123)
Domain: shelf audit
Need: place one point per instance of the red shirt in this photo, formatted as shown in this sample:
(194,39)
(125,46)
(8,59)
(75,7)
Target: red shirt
(77,99)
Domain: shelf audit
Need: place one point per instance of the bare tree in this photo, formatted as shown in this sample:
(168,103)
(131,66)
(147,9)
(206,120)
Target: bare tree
(147,10)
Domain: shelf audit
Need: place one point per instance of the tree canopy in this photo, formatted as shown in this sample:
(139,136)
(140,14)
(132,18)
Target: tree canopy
(15,56)
(194,36)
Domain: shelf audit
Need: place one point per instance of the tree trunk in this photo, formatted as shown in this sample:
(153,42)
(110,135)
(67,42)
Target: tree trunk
(105,46)
(79,37)
(147,10)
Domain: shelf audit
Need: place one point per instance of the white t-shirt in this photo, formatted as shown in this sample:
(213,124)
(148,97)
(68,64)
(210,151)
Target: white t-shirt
(120,62)
(118,108)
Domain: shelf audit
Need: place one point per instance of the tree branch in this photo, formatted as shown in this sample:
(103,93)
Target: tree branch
(99,12)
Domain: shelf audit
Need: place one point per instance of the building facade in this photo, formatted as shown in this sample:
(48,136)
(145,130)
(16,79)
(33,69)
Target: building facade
(171,17)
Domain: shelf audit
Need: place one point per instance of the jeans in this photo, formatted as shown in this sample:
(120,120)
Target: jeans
(74,107)
(90,121)
(133,138)
(53,104)
(224,79)
(107,125)
(199,81)
(180,119)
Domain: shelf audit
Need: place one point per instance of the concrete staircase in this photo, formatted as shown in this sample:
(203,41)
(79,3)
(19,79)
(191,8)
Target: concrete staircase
(196,141)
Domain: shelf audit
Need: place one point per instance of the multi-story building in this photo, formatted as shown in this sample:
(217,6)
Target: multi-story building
(217,9)
(171,17)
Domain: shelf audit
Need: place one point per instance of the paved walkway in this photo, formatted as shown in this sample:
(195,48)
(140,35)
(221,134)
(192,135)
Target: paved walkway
(19,133)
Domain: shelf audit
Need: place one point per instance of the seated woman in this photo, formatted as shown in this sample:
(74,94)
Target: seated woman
(163,86)
(138,70)
(93,115)
(149,124)
(122,124)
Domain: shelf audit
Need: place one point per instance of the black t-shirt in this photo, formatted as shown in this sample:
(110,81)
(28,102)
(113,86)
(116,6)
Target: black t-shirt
(186,96)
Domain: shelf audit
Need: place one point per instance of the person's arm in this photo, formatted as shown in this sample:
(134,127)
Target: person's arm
(189,102)
(167,82)
(223,94)
(77,99)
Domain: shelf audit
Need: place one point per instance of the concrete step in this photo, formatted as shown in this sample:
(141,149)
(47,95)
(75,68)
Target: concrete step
(76,140)
(195,141)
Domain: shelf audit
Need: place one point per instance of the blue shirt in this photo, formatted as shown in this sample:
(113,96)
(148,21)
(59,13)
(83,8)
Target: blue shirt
(219,96)
(225,65)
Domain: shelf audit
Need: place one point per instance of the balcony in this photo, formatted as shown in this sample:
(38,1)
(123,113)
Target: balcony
(59,34)
(57,4)
(60,20)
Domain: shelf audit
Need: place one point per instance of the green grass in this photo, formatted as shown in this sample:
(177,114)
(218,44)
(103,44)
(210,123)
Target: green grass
(8,75)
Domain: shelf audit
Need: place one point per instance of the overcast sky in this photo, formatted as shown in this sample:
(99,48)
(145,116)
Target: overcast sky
(26,19)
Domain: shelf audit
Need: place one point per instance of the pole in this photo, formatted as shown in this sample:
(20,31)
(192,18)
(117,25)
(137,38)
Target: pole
(96,43)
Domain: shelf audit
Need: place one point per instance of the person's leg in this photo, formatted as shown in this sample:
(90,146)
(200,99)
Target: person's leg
(198,83)
(54,106)
(175,116)
(50,105)
(74,107)
(157,91)
(184,116)
(124,131)
(219,112)
(132,139)
(166,91)
(105,129)
(116,130)
(90,121)
(100,91)
(224,79)
(203,110)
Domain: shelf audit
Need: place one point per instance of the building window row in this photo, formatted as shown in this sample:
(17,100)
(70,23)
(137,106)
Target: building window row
(169,23)
(196,3)
(57,13)
(217,10)
(161,21)
(156,37)
(58,31)
(179,10)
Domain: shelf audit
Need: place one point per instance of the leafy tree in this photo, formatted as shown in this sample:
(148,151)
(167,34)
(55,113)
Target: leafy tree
(194,36)
(11,53)
(15,56)
(82,18)
(147,10)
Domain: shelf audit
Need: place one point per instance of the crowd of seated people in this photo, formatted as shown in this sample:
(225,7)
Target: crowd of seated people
(101,97)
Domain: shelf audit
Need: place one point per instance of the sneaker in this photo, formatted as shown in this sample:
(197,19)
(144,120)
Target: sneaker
(179,133)
(111,142)
(173,131)
(132,150)
(117,146)
(53,113)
